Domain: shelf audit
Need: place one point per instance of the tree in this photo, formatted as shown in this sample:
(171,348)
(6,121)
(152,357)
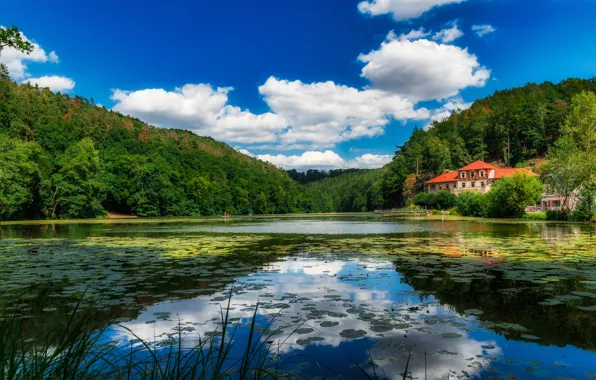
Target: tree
(12,38)
(572,161)
(19,176)
(510,196)
(77,189)
(472,203)
(564,172)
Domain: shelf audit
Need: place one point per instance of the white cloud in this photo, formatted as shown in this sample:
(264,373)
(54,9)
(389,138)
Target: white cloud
(450,106)
(306,115)
(53,57)
(401,9)
(53,82)
(324,160)
(16,60)
(412,35)
(201,108)
(422,69)
(328,113)
(482,30)
(370,161)
(448,35)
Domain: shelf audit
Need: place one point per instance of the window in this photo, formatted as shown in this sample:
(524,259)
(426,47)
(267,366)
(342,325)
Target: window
(472,174)
(473,184)
(433,187)
(463,184)
(462,175)
(482,173)
(482,184)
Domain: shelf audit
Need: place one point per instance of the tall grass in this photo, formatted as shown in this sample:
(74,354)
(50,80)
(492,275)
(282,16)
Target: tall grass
(80,350)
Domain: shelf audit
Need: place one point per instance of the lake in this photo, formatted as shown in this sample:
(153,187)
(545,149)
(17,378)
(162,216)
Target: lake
(352,296)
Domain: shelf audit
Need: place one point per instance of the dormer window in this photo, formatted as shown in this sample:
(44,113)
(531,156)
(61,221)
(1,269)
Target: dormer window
(462,174)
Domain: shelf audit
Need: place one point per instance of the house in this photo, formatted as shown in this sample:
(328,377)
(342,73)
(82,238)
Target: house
(556,202)
(477,176)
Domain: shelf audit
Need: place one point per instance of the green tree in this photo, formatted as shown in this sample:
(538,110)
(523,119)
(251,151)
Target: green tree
(510,196)
(19,176)
(472,203)
(77,189)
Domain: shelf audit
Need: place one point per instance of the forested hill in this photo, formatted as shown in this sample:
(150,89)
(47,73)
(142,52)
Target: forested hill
(63,156)
(511,127)
(515,127)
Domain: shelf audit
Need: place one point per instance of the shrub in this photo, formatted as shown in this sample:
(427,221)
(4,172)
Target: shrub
(443,200)
(421,199)
(471,203)
(510,196)
(535,216)
(557,215)
(586,208)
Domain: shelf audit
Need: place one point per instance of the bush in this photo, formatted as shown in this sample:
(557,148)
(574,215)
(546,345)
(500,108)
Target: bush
(510,196)
(535,216)
(557,215)
(443,200)
(471,203)
(421,199)
(586,208)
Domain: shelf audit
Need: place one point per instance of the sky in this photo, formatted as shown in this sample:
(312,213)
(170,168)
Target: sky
(300,83)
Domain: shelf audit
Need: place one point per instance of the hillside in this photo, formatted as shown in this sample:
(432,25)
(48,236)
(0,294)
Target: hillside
(514,127)
(65,157)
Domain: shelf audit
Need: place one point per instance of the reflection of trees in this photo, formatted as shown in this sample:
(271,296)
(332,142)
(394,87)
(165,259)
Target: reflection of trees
(511,301)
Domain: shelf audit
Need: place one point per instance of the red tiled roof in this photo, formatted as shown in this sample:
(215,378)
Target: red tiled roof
(443,178)
(508,172)
(477,165)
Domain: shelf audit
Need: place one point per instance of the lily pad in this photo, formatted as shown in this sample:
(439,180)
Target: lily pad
(352,334)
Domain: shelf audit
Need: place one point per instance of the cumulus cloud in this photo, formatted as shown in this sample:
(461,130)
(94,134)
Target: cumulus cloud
(306,115)
(422,69)
(203,109)
(401,9)
(16,60)
(448,35)
(482,30)
(328,113)
(53,82)
(325,160)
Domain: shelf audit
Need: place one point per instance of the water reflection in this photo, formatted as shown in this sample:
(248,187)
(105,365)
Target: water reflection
(345,305)
(459,298)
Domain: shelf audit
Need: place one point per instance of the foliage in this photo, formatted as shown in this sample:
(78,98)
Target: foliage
(472,203)
(512,126)
(442,200)
(536,216)
(19,175)
(354,191)
(64,157)
(586,208)
(510,196)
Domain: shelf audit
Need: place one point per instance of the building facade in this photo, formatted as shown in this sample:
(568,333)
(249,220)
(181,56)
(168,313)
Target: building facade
(478,176)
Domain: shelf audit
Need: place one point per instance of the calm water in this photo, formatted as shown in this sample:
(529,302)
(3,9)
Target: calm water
(461,299)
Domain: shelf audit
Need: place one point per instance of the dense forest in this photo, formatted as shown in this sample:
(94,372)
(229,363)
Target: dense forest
(64,157)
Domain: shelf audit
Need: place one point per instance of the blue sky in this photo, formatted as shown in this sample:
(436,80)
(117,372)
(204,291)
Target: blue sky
(309,83)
